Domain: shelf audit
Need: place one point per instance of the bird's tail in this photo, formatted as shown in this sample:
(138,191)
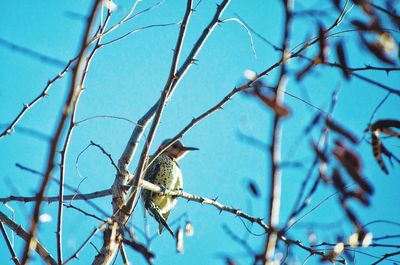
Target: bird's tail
(155,212)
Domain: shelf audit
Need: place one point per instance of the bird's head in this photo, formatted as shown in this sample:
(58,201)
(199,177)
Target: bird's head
(177,150)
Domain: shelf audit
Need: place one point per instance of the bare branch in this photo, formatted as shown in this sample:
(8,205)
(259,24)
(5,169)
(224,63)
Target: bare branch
(75,197)
(9,245)
(70,101)
(223,208)
(36,245)
(275,150)
(42,95)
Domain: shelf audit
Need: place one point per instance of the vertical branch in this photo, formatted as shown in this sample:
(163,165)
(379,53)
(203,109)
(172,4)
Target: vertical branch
(70,101)
(166,92)
(142,123)
(119,202)
(9,245)
(275,149)
(69,134)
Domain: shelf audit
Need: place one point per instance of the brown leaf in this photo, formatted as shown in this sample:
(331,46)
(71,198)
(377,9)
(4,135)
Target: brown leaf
(378,50)
(272,103)
(338,181)
(359,195)
(380,124)
(254,189)
(360,25)
(337,128)
(305,70)
(351,215)
(342,60)
(179,240)
(352,164)
(377,150)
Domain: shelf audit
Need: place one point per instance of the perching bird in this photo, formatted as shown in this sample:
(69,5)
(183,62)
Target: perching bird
(164,172)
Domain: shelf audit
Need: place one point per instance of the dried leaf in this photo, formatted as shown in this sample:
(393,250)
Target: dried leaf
(380,124)
(254,188)
(389,155)
(352,164)
(367,240)
(377,150)
(353,240)
(323,47)
(179,240)
(342,60)
(272,103)
(306,69)
(359,195)
(189,231)
(338,249)
(338,181)
(377,49)
(360,25)
(352,217)
(339,129)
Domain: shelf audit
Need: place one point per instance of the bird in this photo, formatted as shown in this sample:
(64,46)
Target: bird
(166,173)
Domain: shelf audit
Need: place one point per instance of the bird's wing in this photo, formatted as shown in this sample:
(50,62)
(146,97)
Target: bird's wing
(155,211)
(150,176)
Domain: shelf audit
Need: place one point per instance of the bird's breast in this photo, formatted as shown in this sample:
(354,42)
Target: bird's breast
(169,174)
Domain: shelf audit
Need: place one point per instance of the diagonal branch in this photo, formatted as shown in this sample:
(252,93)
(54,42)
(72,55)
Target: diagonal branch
(70,130)
(237,212)
(43,253)
(43,94)
(162,102)
(9,245)
(70,101)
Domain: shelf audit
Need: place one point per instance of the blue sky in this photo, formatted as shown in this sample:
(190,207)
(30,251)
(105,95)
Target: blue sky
(126,78)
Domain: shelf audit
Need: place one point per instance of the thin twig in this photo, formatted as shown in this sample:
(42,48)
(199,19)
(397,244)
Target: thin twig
(75,197)
(9,245)
(70,101)
(70,130)
(223,208)
(385,256)
(37,246)
(123,255)
(42,95)
(84,212)
(83,245)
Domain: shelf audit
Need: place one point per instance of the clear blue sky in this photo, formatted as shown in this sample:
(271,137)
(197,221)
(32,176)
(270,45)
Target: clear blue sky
(126,78)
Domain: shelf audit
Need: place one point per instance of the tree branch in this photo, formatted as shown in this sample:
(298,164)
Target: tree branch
(9,245)
(43,253)
(70,101)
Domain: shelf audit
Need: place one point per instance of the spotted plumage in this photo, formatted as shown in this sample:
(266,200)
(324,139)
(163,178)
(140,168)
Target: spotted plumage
(164,172)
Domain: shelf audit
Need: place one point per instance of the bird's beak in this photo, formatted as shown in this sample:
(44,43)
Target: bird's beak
(186,148)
